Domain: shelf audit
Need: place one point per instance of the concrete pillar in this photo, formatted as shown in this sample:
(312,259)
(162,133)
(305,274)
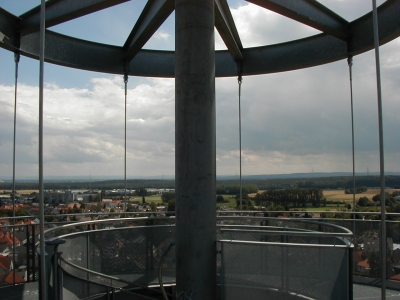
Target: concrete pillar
(195,149)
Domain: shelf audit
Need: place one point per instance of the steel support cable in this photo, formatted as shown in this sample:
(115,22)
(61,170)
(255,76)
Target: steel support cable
(240,134)
(42,284)
(16,60)
(382,242)
(126,89)
(350,64)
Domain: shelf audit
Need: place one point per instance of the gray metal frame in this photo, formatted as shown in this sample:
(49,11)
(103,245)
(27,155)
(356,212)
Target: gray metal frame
(339,39)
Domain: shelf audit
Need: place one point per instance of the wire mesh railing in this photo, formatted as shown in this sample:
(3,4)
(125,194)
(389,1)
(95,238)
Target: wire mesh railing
(133,254)
(83,251)
(310,270)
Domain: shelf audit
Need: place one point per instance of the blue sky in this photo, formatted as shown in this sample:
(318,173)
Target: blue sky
(292,122)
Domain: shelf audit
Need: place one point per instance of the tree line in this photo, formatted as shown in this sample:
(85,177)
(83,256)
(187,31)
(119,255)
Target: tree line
(223,186)
(234,189)
(290,198)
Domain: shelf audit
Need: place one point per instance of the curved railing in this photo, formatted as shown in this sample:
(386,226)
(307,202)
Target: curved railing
(243,226)
(128,252)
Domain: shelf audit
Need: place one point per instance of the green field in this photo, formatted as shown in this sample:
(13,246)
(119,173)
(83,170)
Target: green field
(230,204)
(153,198)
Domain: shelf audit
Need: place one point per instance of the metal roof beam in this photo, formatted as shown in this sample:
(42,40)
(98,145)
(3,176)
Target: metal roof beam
(153,16)
(308,52)
(9,36)
(309,12)
(60,11)
(227,29)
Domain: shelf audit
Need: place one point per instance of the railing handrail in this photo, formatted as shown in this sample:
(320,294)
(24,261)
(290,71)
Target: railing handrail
(293,232)
(106,221)
(283,244)
(171,213)
(157,218)
(347,232)
(111,229)
(299,220)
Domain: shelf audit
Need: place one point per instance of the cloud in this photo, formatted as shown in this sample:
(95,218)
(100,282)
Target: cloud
(305,114)
(85,127)
(258,26)
(162,35)
(295,121)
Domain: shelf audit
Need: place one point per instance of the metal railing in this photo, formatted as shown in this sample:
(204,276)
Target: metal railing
(133,254)
(296,232)
(316,271)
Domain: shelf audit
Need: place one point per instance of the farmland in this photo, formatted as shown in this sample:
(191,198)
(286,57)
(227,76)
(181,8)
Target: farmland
(339,195)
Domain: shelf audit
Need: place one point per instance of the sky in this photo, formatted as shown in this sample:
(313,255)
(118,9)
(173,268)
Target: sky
(292,122)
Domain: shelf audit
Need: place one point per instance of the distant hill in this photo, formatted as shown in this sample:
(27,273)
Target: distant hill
(219,177)
(303,175)
(318,180)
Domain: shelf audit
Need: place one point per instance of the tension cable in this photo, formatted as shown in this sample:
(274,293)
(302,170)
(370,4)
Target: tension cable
(240,134)
(126,92)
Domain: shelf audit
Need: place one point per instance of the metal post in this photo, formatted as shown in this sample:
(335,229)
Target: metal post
(223,272)
(52,255)
(33,251)
(240,141)
(282,264)
(126,88)
(350,272)
(382,236)
(350,64)
(286,264)
(88,266)
(42,283)
(28,258)
(16,59)
(195,149)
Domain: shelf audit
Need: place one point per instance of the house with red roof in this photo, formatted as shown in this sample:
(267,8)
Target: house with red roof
(363,266)
(8,239)
(395,277)
(6,265)
(9,279)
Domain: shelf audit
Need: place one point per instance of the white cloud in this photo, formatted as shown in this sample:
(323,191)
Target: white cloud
(258,26)
(162,35)
(84,128)
(295,121)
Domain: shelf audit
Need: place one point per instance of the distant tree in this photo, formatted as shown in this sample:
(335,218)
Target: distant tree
(373,261)
(221,189)
(166,197)
(376,198)
(153,206)
(97,198)
(220,198)
(141,191)
(143,199)
(246,204)
(389,200)
(359,189)
(244,196)
(98,207)
(363,201)
(395,208)
(21,212)
(171,205)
